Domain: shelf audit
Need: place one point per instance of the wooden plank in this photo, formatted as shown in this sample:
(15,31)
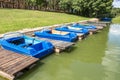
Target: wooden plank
(3,53)
(21,65)
(8,58)
(58,43)
(5,64)
(10,70)
(9,77)
(19,62)
(11,63)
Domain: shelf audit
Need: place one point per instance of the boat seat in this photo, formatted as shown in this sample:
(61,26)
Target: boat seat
(17,41)
(25,45)
(59,32)
(37,46)
(74,28)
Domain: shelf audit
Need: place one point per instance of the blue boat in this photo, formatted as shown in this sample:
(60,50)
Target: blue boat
(89,27)
(19,43)
(73,29)
(106,19)
(57,35)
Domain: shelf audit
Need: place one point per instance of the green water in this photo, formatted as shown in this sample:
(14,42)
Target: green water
(95,58)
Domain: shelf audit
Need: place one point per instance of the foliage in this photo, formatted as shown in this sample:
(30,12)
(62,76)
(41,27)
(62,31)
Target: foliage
(116,11)
(88,8)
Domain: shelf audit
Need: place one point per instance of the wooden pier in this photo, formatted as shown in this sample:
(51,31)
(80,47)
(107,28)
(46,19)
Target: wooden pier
(93,31)
(103,24)
(81,36)
(99,24)
(11,64)
(59,45)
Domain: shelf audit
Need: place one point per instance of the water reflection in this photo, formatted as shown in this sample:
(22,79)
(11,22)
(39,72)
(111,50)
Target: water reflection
(111,60)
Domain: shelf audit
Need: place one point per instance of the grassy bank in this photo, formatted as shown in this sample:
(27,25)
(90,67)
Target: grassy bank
(14,19)
(116,20)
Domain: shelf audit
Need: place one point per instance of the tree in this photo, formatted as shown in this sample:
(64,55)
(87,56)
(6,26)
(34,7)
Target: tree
(88,8)
(66,5)
(92,8)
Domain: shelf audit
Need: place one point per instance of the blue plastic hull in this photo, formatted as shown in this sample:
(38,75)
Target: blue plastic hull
(106,19)
(43,52)
(84,26)
(39,49)
(70,37)
(66,29)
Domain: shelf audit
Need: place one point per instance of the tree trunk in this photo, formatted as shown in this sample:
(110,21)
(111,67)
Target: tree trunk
(1,4)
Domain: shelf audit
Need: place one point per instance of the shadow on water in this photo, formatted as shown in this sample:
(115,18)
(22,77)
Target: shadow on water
(71,49)
(111,60)
(31,71)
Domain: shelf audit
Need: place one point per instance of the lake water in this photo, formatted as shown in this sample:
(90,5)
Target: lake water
(95,58)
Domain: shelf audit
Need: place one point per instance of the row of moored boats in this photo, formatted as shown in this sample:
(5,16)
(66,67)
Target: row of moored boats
(22,44)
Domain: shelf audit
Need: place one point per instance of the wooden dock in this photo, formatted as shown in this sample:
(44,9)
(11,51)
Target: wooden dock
(81,36)
(99,24)
(103,24)
(12,63)
(93,31)
(59,45)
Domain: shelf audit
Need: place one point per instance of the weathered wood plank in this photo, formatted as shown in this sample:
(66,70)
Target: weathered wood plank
(58,43)
(22,66)
(11,63)
(8,58)
(9,77)
(13,68)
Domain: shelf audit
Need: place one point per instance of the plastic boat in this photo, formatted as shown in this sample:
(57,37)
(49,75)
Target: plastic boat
(57,35)
(106,19)
(22,44)
(89,27)
(73,29)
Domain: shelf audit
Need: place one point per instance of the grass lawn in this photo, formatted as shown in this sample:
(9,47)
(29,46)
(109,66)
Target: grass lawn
(116,19)
(14,19)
